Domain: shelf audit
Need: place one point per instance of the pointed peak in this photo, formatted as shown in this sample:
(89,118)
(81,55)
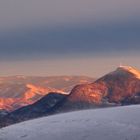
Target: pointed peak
(125,67)
(130,69)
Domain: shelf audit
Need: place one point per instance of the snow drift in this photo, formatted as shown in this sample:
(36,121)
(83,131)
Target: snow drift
(119,123)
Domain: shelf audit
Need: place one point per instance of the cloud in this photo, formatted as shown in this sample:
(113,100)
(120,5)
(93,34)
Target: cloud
(74,40)
(68,36)
(65,28)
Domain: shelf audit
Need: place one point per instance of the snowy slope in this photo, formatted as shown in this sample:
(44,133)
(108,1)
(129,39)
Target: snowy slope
(119,123)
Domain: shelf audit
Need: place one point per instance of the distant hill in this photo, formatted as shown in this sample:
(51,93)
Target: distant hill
(18,91)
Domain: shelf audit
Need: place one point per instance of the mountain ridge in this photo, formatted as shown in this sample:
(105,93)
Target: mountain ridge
(18,91)
(118,88)
(113,88)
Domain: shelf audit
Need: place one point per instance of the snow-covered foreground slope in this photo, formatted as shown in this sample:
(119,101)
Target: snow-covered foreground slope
(120,123)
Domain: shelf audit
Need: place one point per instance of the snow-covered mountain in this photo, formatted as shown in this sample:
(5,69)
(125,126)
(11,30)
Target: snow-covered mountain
(117,123)
(45,106)
(120,87)
(26,95)
(18,91)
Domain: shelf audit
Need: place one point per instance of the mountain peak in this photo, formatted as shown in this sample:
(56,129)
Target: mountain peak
(130,69)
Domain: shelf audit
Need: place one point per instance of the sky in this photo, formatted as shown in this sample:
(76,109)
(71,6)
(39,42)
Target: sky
(68,37)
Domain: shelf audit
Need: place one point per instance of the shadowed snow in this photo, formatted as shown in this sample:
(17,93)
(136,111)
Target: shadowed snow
(120,123)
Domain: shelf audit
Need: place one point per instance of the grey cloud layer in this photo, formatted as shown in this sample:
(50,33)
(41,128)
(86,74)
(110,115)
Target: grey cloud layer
(43,42)
(91,27)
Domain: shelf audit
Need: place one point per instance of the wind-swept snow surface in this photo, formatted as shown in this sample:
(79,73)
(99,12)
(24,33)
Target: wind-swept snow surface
(120,123)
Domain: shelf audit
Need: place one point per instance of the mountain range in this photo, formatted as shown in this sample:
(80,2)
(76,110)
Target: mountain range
(18,91)
(118,88)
